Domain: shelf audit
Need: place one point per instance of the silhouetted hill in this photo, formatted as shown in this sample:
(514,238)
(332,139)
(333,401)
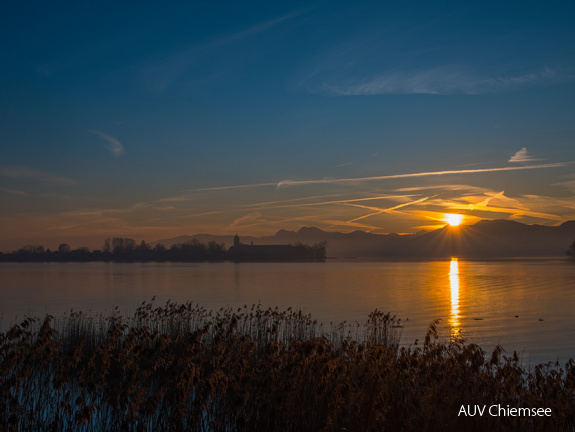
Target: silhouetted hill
(494,239)
(485,239)
(354,244)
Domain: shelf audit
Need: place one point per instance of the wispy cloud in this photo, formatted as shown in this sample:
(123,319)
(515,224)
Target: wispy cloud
(515,208)
(486,204)
(438,80)
(381,62)
(192,193)
(521,156)
(344,164)
(254,30)
(569,184)
(115,146)
(339,223)
(284,183)
(19,172)
(282,204)
(384,210)
(307,198)
(443,187)
(13,192)
(432,81)
(216,188)
(161,74)
(248,219)
(421,174)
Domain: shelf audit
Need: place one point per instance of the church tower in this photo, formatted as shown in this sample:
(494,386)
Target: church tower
(236,241)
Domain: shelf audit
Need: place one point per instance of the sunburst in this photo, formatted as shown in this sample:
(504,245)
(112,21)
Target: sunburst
(453,219)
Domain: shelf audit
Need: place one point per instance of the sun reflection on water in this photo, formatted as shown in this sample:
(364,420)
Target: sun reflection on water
(454,317)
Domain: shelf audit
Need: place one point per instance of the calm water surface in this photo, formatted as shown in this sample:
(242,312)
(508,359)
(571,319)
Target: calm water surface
(526,305)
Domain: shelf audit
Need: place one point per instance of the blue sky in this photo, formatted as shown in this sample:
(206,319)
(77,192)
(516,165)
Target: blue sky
(151,120)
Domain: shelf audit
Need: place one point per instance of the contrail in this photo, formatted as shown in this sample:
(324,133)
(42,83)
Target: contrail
(387,177)
(421,174)
(232,187)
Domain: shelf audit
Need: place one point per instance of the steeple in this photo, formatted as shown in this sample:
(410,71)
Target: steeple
(236,241)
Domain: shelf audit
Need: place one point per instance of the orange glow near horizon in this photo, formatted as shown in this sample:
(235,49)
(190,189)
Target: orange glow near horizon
(453,219)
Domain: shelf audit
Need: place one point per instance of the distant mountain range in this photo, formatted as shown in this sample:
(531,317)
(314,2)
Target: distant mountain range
(485,239)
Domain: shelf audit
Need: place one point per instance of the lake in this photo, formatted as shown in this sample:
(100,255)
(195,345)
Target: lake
(524,305)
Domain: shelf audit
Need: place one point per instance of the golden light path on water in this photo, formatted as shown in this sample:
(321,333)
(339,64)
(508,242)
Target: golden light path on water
(454,318)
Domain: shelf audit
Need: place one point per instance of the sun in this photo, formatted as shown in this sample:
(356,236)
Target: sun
(453,219)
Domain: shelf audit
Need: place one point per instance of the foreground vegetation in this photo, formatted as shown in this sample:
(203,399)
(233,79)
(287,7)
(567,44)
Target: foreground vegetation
(182,368)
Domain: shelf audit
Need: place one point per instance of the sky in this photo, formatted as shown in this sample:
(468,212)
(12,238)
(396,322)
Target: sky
(151,120)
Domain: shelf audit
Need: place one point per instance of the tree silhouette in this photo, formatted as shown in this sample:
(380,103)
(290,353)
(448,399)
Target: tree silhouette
(64,248)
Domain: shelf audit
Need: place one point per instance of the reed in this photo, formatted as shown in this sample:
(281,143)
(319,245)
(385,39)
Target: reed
(180,367)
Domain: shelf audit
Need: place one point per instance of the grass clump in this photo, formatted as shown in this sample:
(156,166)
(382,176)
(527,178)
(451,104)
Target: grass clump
(179,367)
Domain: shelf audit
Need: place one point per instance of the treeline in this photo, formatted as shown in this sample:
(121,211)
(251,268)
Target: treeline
(119,249)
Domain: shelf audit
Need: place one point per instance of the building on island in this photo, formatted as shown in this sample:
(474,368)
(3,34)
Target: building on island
(257,253)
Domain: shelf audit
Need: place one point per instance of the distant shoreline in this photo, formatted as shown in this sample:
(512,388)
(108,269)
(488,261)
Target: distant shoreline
(327,260)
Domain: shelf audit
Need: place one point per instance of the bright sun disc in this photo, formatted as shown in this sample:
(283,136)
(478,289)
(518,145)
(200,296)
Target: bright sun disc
(453,219)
